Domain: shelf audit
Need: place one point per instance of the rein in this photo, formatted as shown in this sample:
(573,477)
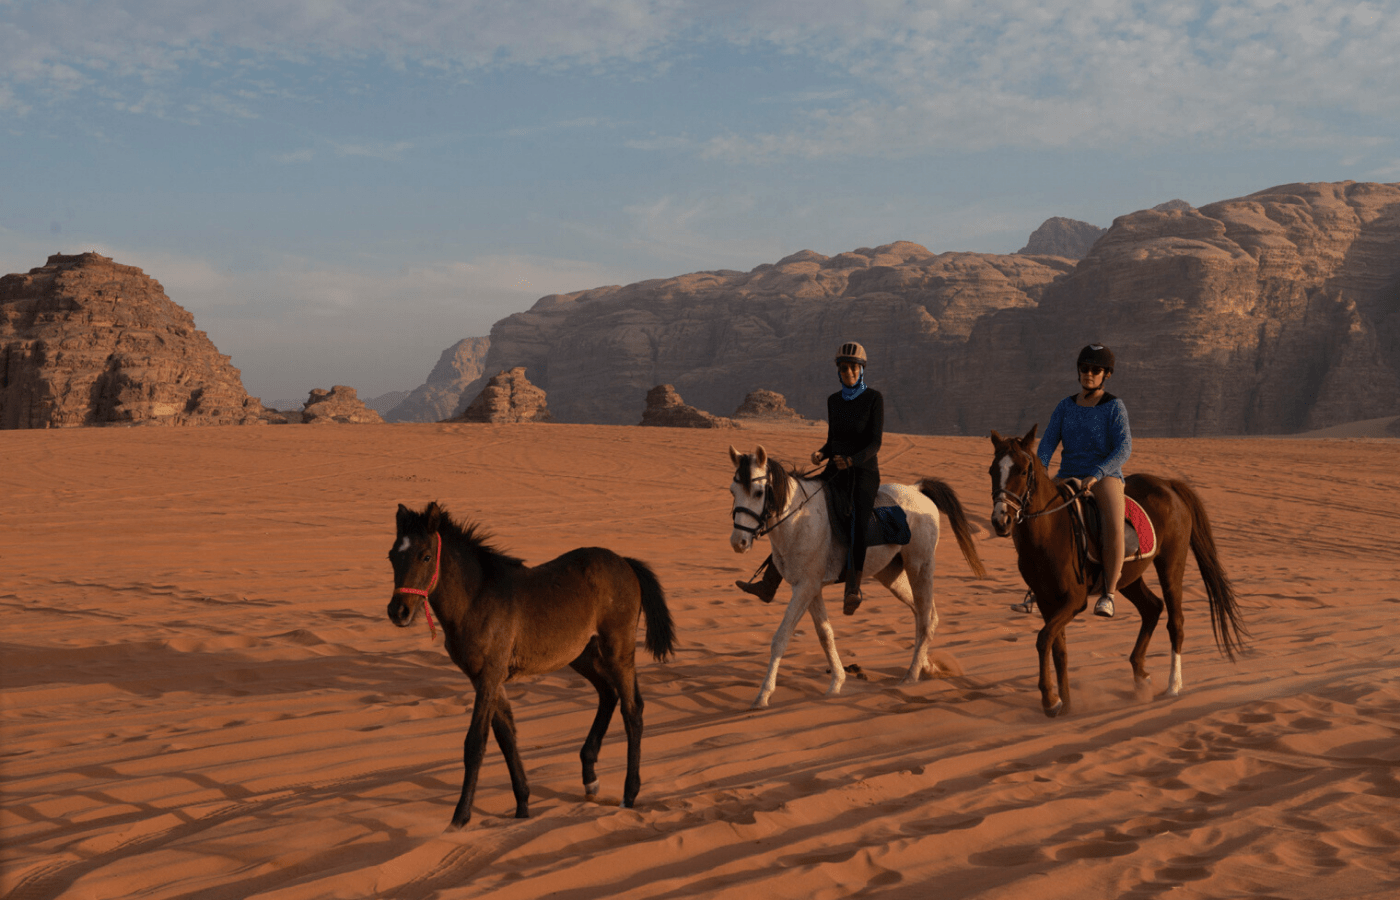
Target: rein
(1076,523)
(437,569)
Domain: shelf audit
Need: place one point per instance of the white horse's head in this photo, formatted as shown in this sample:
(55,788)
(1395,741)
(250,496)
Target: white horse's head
(750,490)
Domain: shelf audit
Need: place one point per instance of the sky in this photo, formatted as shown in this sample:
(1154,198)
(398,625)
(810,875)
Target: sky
(339,190)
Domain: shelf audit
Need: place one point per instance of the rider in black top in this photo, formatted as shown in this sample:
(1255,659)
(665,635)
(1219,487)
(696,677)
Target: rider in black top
(855,418)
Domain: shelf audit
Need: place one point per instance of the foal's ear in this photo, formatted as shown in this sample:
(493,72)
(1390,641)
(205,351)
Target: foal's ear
(1030,436)
(434,514)
(401,517)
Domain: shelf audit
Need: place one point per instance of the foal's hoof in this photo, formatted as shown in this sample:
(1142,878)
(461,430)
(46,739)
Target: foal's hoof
(1053,711)
(590,790)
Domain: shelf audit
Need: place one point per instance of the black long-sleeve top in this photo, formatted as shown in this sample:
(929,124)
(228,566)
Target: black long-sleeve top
(855,428)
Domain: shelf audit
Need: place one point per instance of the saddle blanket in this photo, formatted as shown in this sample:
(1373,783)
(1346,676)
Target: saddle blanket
(1139,537)
(889,525)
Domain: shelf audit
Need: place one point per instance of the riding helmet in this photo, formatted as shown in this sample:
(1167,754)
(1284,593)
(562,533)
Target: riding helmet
(851,352)
(1096,355)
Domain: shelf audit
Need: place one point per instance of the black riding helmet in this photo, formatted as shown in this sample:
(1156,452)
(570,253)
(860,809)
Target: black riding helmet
(1096,355)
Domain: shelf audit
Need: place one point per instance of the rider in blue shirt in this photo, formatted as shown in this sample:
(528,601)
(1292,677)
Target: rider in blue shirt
(1092,428)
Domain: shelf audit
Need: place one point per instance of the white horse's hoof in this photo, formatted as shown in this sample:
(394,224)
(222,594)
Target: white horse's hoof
(760,703)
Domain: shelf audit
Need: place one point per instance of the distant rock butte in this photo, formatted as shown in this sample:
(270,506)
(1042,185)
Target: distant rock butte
(508,397)
(1274,313)
(1059,236)
(762,404)
(666,409)
(87,341)
(446,392)
(340,405)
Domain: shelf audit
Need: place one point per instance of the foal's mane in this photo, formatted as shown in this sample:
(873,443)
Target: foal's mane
(467,539)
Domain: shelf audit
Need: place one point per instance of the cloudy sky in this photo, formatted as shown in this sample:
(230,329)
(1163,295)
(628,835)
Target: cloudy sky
(339,189)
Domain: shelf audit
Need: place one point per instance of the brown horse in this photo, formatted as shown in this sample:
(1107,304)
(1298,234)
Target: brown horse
(502,620)
(1034,510)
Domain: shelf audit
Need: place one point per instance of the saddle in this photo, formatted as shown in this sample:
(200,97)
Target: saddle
(887,524)
(1139,536)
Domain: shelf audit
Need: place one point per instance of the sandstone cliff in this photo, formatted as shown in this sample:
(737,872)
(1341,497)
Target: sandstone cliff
(1272,313)
(86,341)
(341,405)
(666,409)
(1059,236)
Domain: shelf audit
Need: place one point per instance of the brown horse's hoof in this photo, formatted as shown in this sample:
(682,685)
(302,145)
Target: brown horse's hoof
(1053,711)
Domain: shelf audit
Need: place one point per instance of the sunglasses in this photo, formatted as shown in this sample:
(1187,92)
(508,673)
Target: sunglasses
(1092,370)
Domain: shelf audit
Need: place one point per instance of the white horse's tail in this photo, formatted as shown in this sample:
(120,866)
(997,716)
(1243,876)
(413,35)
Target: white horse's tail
(948,503)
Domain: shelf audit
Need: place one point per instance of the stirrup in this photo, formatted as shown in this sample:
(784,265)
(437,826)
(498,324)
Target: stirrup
(1104,607)
(852,601)
(1027,604)
(757,588)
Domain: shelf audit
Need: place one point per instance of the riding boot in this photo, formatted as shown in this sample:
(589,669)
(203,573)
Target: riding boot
(853,598)
(766,587)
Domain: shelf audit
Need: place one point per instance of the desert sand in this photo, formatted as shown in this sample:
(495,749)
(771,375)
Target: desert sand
(203,697)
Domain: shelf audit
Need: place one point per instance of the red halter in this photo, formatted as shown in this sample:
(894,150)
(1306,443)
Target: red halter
(437,568)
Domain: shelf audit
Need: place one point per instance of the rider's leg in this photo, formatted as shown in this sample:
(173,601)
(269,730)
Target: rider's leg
(864,485)
(766,586)
(1109,493)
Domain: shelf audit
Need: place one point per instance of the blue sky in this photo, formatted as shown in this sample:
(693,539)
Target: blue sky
(339,190)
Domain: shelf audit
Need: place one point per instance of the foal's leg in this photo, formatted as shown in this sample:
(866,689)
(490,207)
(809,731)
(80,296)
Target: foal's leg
(587,666)
(503,724)
(826,635)
(1149,606)
(488,687)
(631,697)
(617,663)
(803,595)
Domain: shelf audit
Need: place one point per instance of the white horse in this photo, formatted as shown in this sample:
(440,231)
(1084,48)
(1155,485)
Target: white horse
(792,512)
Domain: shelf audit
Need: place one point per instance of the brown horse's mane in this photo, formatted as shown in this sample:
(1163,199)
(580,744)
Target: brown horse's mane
(469,538)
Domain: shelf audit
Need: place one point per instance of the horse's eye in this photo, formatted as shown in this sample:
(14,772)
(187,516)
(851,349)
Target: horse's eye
(427,556)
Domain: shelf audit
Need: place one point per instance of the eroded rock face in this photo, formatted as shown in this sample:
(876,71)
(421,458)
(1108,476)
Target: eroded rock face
(770,405)
(1273,313)
(666,409)
(445,392)
(508,397)
(717,335)
(87,341)
(1059,236)
(340,405)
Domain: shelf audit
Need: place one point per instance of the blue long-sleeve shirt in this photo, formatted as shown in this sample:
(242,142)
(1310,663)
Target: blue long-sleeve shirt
(1096,439)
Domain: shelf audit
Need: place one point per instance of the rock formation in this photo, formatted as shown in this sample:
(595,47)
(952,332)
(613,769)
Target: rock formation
(666,409)
(450,385)
(86,341)
(1059,236)
(767,405)
(508,397)
(340,405)
(1273,313)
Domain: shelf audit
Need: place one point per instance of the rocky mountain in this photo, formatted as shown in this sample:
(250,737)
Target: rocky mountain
(341,405)
(456,380)
(666,409)
(87,341)
(1272,313)
(1059,236)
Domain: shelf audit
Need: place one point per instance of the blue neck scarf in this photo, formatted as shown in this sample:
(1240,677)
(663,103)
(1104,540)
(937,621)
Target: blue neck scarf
(851,393)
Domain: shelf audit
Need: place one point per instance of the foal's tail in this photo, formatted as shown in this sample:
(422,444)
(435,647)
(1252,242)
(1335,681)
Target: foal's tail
(661,632)
(1225,619)
(947,501)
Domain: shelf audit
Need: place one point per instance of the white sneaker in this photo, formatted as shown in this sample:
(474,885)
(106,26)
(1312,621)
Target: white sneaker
(1027,604)
(1104,607)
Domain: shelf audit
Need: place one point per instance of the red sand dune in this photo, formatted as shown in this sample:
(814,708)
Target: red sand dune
(203,697)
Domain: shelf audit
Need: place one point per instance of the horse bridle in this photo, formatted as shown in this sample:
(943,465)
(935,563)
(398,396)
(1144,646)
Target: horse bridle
(437,570)
(761,517)
(1021,503)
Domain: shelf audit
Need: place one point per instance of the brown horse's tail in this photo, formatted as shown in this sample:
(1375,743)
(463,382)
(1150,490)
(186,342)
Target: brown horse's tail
(1225,619)
(947,501)
(661,631)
